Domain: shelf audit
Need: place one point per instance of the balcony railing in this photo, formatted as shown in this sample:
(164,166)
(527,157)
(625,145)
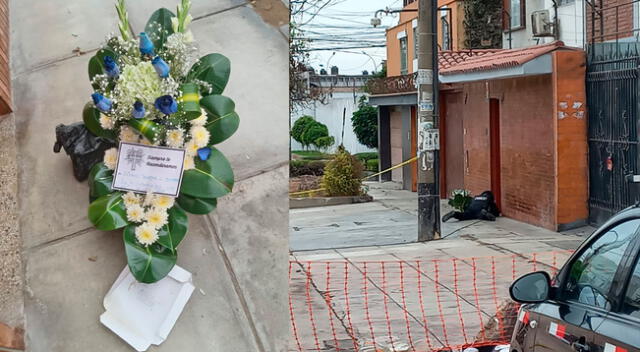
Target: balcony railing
(392,85)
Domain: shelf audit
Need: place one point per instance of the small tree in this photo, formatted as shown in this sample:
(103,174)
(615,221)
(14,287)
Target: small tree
(300,126)
(343,175)
(323,143)
(365,124)
(313,132)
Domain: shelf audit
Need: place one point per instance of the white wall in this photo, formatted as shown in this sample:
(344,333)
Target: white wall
(570,25)
(331,115)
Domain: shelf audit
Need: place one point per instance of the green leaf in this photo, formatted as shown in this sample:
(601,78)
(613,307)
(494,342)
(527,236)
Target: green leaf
(171,234)
(212,178)
(100,180)
(96,63)
(108,213)
(195,205)
(159,28)
(213,69)
(222,121)
(91,119)
(147,264)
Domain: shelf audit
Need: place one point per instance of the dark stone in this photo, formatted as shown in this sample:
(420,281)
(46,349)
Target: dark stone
(84,149)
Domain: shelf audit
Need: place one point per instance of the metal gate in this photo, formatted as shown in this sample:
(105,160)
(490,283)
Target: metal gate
(612,95)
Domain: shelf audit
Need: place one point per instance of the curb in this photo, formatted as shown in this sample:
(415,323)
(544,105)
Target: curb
(297,203)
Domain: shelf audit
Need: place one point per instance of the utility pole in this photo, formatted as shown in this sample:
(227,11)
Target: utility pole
(428,124)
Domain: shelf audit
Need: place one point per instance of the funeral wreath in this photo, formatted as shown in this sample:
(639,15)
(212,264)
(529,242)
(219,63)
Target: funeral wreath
(154,89)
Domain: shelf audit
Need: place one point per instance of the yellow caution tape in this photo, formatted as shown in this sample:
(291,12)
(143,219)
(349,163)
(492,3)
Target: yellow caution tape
(409,161)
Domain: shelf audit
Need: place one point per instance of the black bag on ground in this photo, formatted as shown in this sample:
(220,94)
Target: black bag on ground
(84,149)
(482,207)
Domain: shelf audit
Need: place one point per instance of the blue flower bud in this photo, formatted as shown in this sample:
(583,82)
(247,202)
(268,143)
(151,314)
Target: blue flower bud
(161,67)
(146,46)
(204,153)
(111,67)
(138,110)
(101,102)
(166,104)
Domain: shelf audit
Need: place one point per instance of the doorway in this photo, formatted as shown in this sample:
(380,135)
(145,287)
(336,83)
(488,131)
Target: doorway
(452,124)
(494,137)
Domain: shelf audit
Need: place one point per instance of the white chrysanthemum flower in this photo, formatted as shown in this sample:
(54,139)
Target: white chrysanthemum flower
(128,134)
(163,202)
(200,135)
(175,138)
(111,158)
(135,213)
(191,148)
(189,163)
(146,234)
(200,121)
(130,199)
(156,217)
(106,122)
(148,198)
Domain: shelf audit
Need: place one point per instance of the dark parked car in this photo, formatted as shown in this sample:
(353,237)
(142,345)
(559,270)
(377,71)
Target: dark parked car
(593,304)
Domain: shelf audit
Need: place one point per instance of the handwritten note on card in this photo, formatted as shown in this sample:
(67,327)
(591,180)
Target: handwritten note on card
(142,168)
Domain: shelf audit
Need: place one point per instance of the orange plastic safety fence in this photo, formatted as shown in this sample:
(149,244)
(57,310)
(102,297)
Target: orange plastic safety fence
(418,306)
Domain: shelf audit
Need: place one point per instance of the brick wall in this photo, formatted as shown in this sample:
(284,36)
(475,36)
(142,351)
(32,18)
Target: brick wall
(527,149)
(5,75)
(606,27)
(543,142)
(527,145)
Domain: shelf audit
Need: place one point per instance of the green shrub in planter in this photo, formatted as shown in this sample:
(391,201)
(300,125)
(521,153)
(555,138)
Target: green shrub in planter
(460,199)
(343,175)
(372,165)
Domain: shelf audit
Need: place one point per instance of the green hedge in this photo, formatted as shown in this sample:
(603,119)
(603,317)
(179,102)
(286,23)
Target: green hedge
(364,157)
(372,165)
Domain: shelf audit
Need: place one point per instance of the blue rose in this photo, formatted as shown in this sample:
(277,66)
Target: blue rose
(161,67)
(204,153)
(101,102)
(111,67)
(166,104)
(138,110)
(146,46)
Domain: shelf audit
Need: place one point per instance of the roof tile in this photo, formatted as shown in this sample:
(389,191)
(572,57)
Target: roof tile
(483,60)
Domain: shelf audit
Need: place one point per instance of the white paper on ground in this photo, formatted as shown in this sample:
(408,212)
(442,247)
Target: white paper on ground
(144,314)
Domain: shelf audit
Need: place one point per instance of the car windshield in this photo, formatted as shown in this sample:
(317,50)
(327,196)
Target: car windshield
(592,274)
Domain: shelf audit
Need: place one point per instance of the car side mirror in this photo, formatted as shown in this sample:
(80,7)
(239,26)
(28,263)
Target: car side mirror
(531,288)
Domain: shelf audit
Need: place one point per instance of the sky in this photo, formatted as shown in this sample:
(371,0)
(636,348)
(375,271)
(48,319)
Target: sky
(348,22)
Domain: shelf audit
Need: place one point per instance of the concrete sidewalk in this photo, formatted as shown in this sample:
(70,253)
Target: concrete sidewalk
(393,302)
(237,254)
(381,303)
(390,219)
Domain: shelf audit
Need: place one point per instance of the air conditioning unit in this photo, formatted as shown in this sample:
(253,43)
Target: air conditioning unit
(541,24)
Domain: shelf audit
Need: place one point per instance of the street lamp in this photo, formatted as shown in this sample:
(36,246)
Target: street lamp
(375,66)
